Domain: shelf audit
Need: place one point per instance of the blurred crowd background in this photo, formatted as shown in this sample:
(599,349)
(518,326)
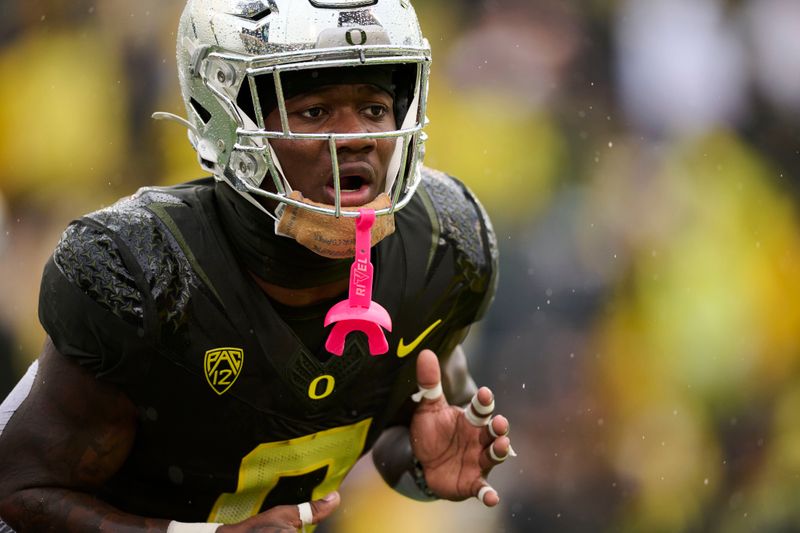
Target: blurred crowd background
(641,162)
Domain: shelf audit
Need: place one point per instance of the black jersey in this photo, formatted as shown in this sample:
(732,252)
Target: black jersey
(238,410)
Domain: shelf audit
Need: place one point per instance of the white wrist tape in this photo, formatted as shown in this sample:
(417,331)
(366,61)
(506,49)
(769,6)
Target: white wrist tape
(196,527)
(429,394)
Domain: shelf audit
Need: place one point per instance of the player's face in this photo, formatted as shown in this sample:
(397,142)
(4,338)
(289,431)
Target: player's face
(357,108)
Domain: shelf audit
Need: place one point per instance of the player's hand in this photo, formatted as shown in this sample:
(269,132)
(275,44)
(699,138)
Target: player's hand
(457,450)
(286,518)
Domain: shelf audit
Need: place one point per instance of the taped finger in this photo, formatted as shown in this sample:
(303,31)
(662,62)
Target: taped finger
(429,394)
(494,433)
(306,514)
(480,408)
(478,414)
(486,489)
(496,458)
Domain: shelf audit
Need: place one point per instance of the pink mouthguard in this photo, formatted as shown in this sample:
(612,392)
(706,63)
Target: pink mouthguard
(359,312)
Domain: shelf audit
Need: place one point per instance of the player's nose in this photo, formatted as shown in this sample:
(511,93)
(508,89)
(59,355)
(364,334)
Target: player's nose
(350,121)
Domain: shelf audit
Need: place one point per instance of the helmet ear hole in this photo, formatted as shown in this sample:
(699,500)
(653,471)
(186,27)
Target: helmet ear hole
(203,113)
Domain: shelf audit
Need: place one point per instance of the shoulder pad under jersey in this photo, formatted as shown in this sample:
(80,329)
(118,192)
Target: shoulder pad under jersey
(461,219)
(461,222)
(127,261)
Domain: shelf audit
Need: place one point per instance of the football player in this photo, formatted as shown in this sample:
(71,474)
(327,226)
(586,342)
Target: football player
(185,384)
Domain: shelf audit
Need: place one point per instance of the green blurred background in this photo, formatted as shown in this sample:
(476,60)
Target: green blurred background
(640,160)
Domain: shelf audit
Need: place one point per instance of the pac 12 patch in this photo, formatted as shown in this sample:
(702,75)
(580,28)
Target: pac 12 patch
(222,367)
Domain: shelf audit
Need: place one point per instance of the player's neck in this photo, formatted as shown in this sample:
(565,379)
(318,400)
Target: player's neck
(301,297)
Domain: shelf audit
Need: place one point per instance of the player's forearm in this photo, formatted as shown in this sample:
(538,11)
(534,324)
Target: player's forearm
(52,509)
(394,460)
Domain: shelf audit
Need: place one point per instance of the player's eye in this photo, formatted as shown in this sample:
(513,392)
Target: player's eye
(313,112)
(376,111)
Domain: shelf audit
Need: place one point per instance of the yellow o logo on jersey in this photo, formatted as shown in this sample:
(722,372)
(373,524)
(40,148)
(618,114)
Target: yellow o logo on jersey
(313,388)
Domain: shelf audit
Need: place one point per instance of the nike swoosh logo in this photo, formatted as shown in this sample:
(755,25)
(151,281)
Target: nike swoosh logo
(403,349)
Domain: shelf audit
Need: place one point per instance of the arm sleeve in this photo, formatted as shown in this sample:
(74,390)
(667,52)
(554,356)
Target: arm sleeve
(92,305)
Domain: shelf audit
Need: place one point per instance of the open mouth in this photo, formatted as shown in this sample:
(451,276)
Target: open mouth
(351,183)
(356,181)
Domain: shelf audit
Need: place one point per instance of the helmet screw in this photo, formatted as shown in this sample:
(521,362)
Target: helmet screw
(221,145)
(244,166)
(224,73)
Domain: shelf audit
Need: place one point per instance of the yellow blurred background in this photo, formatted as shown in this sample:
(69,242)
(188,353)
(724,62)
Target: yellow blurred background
(640,160)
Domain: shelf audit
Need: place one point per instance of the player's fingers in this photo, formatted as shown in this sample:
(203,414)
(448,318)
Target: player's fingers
(318,510)
(428,372)
(480,409)
(487,495)
(287,517)
(494,454)
(498,427)
(429,377)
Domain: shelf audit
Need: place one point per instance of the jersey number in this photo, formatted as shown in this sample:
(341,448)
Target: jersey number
(337,448)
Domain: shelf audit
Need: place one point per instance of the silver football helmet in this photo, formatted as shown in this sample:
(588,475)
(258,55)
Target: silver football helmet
(232,52)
